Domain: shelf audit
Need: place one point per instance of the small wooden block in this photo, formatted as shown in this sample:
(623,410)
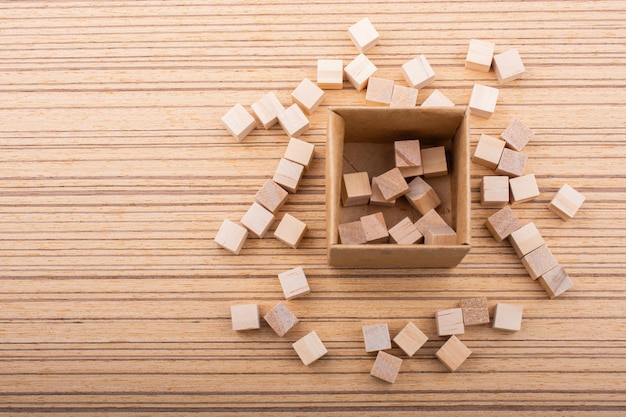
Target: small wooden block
(257,220)
(363,35)
(238,122)
(437,99)
(566,202)
(508,317)
(453,353)
(410,339)
(555,282)
(408,157)
(405,233)
(267,109)
(494,191)
(479,55)
(308,96)
(330,74)
(288,175)
(512,163)
(392,184)
(271,196)
(475,311)
(293,121)
(352,233)
(359,71)
(517,135)
(417,72)
(231,236)
(440,235)
(523,188)
(449,322)
(294,283)
(280,319)
(290,231)
(403,96)
(422,196)
(539,261)
(434,161)
(508,66)
(300,152)
(309,348)
(483,100)
(377,199)
(526,239)
(502,223)
(245,317)
(386,367)
(375,228)
(376,337)
(379,91)
(355,189)
(488,151)
(428,220)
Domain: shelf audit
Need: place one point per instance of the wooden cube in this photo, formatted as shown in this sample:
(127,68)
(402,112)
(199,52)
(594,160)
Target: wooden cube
(231,236)
(267,109)
(428,220)
(494,191)
(479,55)
(352,233)
(245,317)
(375,228)
(453,353)
(526,239)
(288,175)
(483,100)
(359,71)
(392,184)
(488,151)
(376,337)
(566,202)
(330,74)
(294,283)
(405,233)
(440,235)
(508,317)
(379,91)
(258,220)
(508,66)
(437,99)
(417,72)
(475,311)
(410,339)
(523,188)
(403,96)
(377,199)
(517,135)
(502,223)
(449,322)
(308,96)
(363,35)
(539,261)
(271,196)
(386,367)
(555,281)
(355,189)
(408,157)
(300,152)
(281,319)
(434,161)
(293,121)
(238,122)
(309,348)
(512,163)
(290,231)
(422,196)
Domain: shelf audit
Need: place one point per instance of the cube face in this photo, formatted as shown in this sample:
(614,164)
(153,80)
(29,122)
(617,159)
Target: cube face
(309,348)
(483,100)
(290,231)
(453,353)
(379,92)
(508,66)
(437,99)
(377,198)
(539,261)
(352,233)
(267,109)
(488,151)
(410,339)
(281,319)
(386,367)
(494,191)
(308,96)
(288,175)
(422,196)
(434,161)
(363,35)
(300,152)
(231,236)
(245,317)
(566,202)
(405,233)
(408,153)
(475,311)
(271,196)
(440,235)
(375,228)
(526,239)
(355,189)
(429,220)
(330,74)
(392,184)
(523,189)
(238,122)
(257,220)
(512,163)
(359,71)
(502,223)
(517,135)
(293,121)
(376,337)
(403,96)
(555,282)
(450,322)
(418,72)
(294,283)
(479,55)
(508,317)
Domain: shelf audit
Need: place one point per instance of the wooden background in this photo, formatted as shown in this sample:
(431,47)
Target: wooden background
(115,173)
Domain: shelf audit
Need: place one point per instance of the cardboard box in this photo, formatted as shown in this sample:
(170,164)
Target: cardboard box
(361,139)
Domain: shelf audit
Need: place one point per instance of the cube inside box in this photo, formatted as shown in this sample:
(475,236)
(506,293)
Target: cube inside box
(364,136)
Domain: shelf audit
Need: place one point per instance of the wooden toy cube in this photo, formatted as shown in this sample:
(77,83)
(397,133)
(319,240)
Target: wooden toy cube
(355,189)
(300,152)
(386,367)
(359,71)
(479,55)
(453,353)
(245,317)
(410,339)
(523,188)
(375,228)
(508,66)
(257,220)
(267,109)
(517,135)
(526,239)
(502,223)
(290,231)
(376,337)
(417,72)
(293,121)
(238,122)
(434,161)
(408,157)
(440,235)
(363,35)
(377,199)
(494,191)
(508,317)
(231,236)
(488,151)
(539,261)
(271,196)
(475,311)
(555,281)
(428,220)
(288,175)
(330,74)
(281,319)
(437,99)
(392,184)
(422,196)
(405,233)
(402,96)
(566,202)
(449,322)
(352,233)
(308,96)
(483,100)
(512,163)
(309,348)
(294,283)
(379,91)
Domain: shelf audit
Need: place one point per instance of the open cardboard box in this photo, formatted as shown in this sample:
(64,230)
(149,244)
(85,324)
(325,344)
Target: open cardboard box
(361,139)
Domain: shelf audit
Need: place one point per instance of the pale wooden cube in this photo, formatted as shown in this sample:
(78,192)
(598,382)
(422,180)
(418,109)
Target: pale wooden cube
(379,91)
(258,220)
(437,99)
(386,367)
(475,311)
(376,337)
(300,152)
(508,317)
(309,348)
(526,239)
(294,283)
(231,236)
(479,55)
(566,202)
(539,261)
(418,72)
(403,96)
(281,319)
(293,121)
(267,109)
(512,163)
(483,100)
(508,66)
(422,196)
(355,189)
(271,196)
(359,71)
(245,317)
(352,233)
(238,122)
(517,135)
(449,322)
(392,184)
(434,161)
(523,188)
(502,223)
(494,191)
(290,231)
(330,74)
(440,235)
(428,220)
(308,96)
(453,353)
(555,281)
(488,151)
(377,199)
(405,233)
(288,175)
(375,228)
(363,35)
(410,339)
(408,156)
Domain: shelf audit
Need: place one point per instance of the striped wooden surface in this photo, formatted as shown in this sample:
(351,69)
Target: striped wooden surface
(115,174)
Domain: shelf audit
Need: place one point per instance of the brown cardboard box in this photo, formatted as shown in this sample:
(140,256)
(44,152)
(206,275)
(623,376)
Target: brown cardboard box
(361,139)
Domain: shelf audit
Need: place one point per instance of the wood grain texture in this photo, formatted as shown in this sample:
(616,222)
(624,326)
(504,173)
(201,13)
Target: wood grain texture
(116,172)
